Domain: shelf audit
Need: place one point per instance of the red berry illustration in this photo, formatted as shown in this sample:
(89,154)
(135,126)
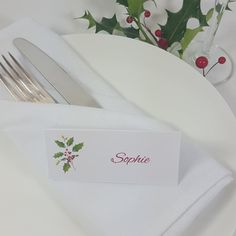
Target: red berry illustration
(129,19)
(201,62)
(158,33)
(147,13)
(163,43)
(222,60)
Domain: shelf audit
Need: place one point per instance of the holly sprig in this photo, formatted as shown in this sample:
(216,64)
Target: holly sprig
(69,151)
(137,27)
(175,30)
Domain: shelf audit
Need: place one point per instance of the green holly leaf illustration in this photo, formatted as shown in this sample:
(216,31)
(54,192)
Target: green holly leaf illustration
(175,29)
(60,144)
(87,16)
(107,24)
(77,147)
(66,167)
(123,2)
(126,2)
(70,141)
(176,25)
(135,7)
(227,7)
(191,33)
(58,155)
(131,32)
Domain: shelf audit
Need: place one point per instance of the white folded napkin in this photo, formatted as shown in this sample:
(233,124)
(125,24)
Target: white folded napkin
(107,209)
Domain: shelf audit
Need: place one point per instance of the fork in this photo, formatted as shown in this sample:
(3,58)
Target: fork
(19,82)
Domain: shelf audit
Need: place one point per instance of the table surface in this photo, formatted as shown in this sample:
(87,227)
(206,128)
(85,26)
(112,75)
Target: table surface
(64,11)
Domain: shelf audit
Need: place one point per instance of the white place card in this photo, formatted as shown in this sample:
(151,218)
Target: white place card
(114,156)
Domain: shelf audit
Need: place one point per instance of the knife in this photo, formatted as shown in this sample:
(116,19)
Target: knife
(68,88)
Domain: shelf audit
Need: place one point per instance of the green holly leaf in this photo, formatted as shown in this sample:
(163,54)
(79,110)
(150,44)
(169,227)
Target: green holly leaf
(191,33)
(135,7)
(189,36)
(58,155)
(209,14)
(66,167)
(218,7)
(107,24)
(176,25)
(123,2)
(227,7)
(70,141)
(60,144)
(87,16)
(77,147)
(131,32)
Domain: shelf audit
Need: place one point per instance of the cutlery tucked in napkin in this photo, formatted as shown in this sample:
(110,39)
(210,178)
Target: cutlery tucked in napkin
(106,209)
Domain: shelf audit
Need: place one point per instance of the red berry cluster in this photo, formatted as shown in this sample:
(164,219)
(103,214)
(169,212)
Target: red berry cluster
(162,42)
(202,62)
(69,155)
(130,19)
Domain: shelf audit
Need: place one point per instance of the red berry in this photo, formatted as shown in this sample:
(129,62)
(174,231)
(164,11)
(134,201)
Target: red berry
(158,33)
(201,62)
(129,19)
(147,13)
(222,60)
(163,43)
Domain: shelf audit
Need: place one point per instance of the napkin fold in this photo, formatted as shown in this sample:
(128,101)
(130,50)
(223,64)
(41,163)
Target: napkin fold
(106,209)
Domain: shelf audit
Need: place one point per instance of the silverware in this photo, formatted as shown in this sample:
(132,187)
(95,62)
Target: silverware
(68,88)
(19,83)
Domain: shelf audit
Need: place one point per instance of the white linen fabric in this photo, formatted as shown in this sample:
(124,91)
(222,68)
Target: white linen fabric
(106,209)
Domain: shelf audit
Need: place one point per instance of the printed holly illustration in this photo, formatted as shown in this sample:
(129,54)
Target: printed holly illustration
(69,151)
(140,21)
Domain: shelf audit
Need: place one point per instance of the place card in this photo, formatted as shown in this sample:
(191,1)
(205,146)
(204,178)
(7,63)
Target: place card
(114,156)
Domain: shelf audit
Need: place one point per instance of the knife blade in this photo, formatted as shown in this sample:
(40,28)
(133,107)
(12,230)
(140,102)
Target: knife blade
(60,80)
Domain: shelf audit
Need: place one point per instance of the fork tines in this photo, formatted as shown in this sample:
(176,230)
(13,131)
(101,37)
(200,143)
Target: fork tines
(19,82)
